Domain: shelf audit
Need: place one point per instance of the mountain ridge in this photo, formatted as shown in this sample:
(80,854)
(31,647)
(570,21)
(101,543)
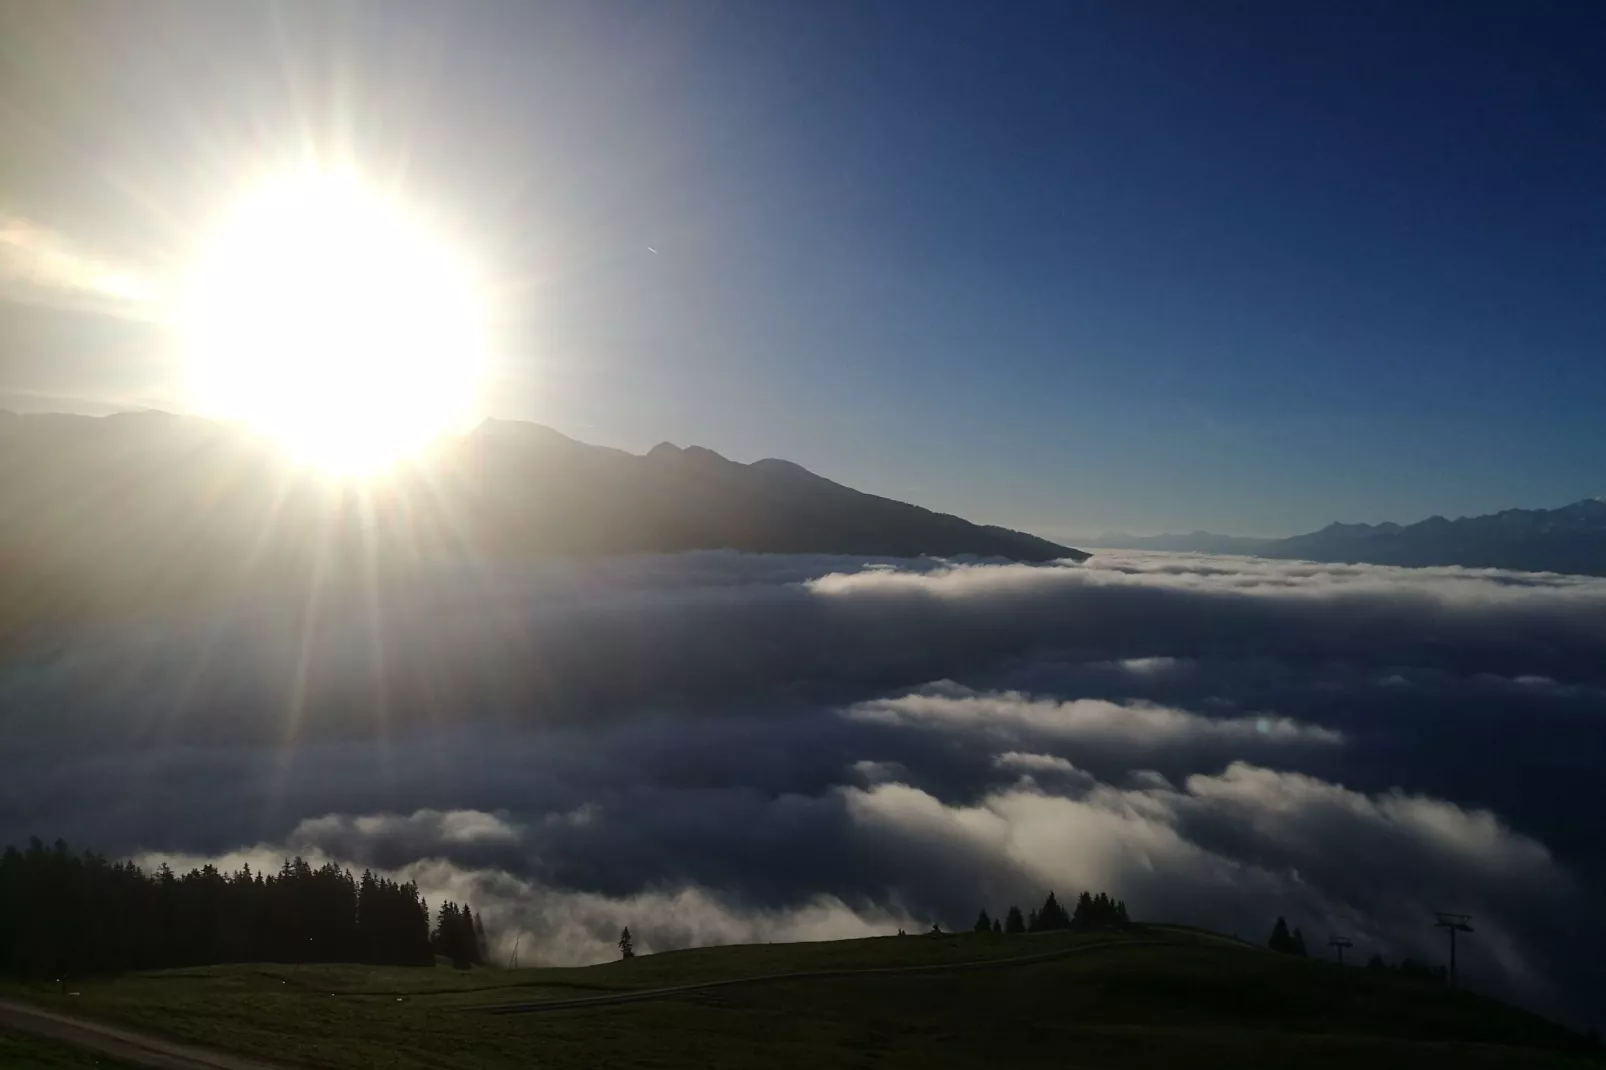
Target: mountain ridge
(135,508)
(1570,538)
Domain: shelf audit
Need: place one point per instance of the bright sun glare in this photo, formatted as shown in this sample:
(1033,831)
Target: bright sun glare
(329,318)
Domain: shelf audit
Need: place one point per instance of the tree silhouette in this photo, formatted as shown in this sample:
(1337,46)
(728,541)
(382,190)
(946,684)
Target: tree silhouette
(456,936)
(1376,962)
(1280,938)
(1101,911)
(984,924)
(998,930)
(1052,916)
(1032,925)
(627,946)
(481,945)
(1299,944)
(67,915)
(1421,971)
(1013,922)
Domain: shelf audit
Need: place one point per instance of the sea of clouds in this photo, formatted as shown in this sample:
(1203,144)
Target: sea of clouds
(718,747)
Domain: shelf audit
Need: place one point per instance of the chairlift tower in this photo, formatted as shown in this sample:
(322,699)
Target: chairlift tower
(1339,943)
(1454,923)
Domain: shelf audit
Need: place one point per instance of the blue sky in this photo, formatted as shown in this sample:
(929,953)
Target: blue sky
(1242,266)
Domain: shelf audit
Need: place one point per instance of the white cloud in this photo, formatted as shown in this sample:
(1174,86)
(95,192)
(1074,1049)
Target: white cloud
(1093,720)
(762,744)
(1233,849)
(1034,763)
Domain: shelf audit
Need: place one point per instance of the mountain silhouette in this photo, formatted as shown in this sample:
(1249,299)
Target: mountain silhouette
(139,510)
(578,498)
(1569,539)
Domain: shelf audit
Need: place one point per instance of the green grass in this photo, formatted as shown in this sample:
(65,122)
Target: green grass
(36,1053)
(1201,1001)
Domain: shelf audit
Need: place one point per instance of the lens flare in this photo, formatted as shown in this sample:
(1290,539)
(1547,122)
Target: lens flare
(331,319)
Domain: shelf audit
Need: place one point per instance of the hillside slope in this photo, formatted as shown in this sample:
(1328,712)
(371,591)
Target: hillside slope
(144,510)
(1154,998)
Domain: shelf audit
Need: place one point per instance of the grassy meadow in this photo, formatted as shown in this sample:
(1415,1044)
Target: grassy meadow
(1152,998)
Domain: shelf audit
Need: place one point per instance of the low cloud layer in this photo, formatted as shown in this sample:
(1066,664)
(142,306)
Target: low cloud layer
(718,747)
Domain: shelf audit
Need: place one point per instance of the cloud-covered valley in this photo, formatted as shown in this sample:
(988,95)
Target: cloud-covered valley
(717,747)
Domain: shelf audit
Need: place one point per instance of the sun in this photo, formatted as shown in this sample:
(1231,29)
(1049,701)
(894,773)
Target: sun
(331,319)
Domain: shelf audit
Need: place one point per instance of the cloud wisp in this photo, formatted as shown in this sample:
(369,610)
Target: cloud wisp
(39,264)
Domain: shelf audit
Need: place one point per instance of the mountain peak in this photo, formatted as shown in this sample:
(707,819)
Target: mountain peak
(694,454)
(521,429)
(782,467)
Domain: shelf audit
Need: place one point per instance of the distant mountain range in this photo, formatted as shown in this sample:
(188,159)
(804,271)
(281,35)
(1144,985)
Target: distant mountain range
(134,509)
(1194,542)
(1569,539)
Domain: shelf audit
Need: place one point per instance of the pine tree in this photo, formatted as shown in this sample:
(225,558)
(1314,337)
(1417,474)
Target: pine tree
(443,939)
(1299,944)
(1376,963)
(1013,922)
(998,930)
(1280,939)
(984,924)
(455,935)
(627,946)
(67,914)
(1052,916)
(1032,923)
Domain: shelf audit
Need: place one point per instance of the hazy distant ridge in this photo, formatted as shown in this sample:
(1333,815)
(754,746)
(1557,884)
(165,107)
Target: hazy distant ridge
(1569,539)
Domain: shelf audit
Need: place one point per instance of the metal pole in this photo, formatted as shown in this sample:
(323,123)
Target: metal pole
(1452,959)
(1455,923)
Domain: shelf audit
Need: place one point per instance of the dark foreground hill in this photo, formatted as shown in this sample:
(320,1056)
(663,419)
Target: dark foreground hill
(1154,997)
(145,509)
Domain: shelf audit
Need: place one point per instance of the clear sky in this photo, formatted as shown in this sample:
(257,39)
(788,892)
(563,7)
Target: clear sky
(1244,266)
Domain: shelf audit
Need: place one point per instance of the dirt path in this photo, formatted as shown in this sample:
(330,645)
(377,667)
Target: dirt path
(119,1043)
(640,994)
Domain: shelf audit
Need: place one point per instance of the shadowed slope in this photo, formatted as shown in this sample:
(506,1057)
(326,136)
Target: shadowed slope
(147,510)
